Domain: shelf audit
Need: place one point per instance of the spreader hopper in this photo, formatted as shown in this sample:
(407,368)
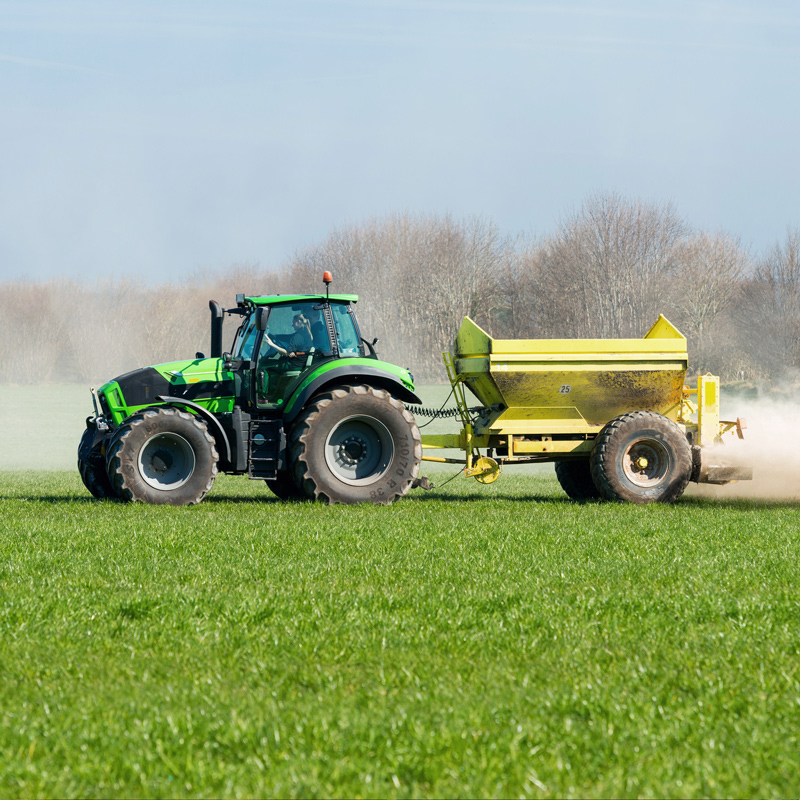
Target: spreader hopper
(546,386)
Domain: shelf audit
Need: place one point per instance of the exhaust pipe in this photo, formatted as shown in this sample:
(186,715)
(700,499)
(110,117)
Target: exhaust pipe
(217,318)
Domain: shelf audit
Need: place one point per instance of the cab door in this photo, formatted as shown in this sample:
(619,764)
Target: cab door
(294,340)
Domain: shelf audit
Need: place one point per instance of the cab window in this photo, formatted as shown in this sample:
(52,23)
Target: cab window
(346,332)
(245,339)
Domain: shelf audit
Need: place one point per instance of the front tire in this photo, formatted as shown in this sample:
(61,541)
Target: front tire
(92,466)
(355,444)
(641,457)
(162,456)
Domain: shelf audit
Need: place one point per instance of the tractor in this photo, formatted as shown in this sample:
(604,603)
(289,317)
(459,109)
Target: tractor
(301,401)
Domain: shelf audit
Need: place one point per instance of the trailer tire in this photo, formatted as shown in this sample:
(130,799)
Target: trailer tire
(641,457)
(355,444)
(162,456)
(284,487)
(575,478)
(92,466)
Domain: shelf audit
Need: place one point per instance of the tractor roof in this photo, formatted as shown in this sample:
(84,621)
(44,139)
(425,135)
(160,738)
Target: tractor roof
(296,298)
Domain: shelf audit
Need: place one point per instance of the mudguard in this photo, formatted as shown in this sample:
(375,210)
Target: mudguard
(353,372)
(213,423)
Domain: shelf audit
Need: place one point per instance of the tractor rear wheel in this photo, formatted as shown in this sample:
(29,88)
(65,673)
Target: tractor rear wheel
(162,456)
(92,466)
(355,444)
(641,457)
(575,478)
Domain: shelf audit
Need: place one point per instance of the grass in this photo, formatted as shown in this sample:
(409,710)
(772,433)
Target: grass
(472,641)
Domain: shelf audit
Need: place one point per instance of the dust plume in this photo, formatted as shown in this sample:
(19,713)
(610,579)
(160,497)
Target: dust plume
(771,447)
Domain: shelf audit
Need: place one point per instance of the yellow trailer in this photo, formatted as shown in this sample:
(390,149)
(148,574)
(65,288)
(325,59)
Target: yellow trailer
(615,415)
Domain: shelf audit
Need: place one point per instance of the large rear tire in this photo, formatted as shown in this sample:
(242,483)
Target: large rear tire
(355,444)
(92,466)
(641,457)
(162,456)
(575,478)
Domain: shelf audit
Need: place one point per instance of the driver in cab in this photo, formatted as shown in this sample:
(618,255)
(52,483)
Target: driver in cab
(299,343)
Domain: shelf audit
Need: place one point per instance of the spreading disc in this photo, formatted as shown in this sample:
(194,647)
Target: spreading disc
(488,470)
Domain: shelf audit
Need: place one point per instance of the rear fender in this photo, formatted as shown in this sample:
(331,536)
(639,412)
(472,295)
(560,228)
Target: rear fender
(348,375)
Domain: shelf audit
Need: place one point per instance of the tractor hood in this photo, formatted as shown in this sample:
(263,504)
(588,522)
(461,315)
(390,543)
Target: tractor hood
(204,381)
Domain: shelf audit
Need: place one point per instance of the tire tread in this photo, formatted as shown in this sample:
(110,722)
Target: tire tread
(297,446)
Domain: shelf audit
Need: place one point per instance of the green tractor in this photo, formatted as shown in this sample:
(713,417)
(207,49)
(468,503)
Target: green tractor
(301,401)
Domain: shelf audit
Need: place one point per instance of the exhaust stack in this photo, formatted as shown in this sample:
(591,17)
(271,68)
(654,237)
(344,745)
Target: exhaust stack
(217,319)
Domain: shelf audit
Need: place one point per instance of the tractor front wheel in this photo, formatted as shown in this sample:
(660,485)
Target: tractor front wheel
(92,466)
(162,456)
(641,457)
(355,444)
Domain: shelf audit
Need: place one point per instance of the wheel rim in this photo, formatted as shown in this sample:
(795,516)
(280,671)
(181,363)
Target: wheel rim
(646,462)
(359,450)
(166,461)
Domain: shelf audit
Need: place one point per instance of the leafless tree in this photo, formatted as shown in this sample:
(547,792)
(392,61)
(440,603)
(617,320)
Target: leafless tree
(605,272)
(417,277)
(707,285)
(31,328)
(769,315)
(608,270)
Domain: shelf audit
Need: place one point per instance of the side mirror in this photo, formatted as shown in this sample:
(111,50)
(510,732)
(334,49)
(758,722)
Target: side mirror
(199,355)
(261,318)
(371,346)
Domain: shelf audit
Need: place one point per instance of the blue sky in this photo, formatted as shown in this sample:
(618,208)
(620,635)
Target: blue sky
(154,139)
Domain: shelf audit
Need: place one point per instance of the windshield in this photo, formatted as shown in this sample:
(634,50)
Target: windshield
(281,327)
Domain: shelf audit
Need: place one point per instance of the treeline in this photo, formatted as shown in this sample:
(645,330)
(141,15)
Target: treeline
(608,270)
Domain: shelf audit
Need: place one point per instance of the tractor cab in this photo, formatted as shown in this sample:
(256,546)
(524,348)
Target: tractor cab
(283,339)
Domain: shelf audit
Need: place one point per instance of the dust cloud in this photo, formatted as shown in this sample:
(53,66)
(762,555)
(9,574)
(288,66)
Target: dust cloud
(771,448)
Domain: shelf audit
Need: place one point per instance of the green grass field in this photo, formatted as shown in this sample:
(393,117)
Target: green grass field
(470,641)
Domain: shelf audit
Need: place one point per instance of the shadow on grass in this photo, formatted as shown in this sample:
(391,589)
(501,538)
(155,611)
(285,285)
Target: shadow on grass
(44,498)
(409,499)
(268,499)
(64,499)
(739,503)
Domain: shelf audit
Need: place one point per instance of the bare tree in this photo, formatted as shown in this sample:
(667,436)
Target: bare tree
(707,284)
(605,272)
(769,315)
(609,269)
(31,327)
(417,275)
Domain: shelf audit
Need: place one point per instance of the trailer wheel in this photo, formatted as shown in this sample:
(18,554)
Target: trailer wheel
(641,457)
(92,466)
(284,487)
(162,456)
(575,478)
(355,444)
